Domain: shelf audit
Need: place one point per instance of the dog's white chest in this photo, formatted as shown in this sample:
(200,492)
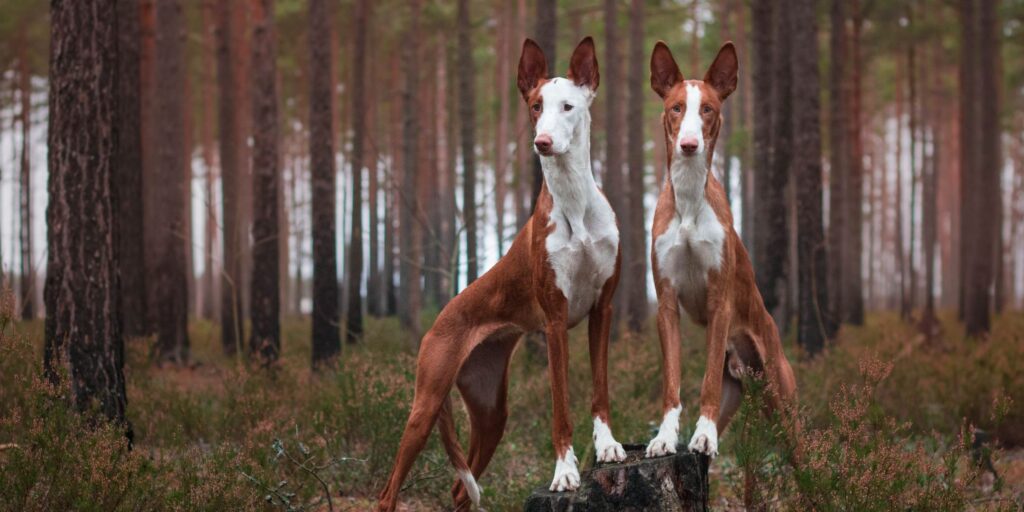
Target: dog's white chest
(582,250)
(688,250)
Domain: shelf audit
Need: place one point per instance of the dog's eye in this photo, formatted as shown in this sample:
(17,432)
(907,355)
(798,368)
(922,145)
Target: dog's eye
(567,107)
(677,109)
(705,109)
(536,107)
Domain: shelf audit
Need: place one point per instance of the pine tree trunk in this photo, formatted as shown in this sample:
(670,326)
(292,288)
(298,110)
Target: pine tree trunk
(501,86)
(636,233)
(908,300)
(83,314)
(326,337)
(228,83)
(838,174)
(409,257)
(467,124)
(812,314)
(612,170)
(374,281)
(524,169)
(901,260)
(208,309)
(354,317)
(170,284)
(265,339)
(28,274)
(853,282)
(445,169)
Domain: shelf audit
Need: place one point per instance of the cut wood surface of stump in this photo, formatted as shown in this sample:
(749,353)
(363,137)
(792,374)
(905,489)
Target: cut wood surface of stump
(671,483)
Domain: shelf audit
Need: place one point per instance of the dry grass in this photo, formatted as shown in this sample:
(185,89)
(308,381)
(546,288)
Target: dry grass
(224,436)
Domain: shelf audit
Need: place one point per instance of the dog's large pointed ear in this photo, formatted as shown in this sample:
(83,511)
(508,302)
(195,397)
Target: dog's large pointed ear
(583,65)
(533,67)
(722,73)
(665,73)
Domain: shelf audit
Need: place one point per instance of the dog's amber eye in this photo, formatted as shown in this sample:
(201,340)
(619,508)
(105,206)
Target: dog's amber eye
(705,109)
(677,109)
(536,107)
(567,107)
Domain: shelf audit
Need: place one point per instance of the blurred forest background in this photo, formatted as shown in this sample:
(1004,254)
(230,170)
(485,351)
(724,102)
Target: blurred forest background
(257,189)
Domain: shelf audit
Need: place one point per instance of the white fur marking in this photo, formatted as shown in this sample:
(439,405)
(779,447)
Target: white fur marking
(668,434)
(567,477)
(607,448)
(584,245)
(471,487)
(705,438)
(693,123)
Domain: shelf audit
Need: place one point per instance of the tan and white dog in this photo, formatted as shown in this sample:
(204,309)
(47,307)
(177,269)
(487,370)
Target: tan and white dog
(562,266)
(700,263)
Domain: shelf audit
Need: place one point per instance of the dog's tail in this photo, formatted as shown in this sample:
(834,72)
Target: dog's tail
(446,425)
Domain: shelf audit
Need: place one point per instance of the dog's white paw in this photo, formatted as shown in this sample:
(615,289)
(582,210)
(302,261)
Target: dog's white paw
(705,439)
(567,476)
(607,448)
(668,435)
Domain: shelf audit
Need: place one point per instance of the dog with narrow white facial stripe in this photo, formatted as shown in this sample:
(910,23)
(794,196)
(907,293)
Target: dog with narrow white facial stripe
(701,266)
(562,266)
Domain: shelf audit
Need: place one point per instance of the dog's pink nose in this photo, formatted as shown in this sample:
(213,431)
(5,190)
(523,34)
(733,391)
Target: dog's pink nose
(543,143)
(688,145)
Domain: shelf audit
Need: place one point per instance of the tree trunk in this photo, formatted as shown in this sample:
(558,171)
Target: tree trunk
(228,83)
(168,303)
(546,36)
(409,257)
(265,339)
(28,273)
(392,190)
(374,281)
(636,232)
(361,22)
(445,168)
(208,308)
(812,313)
(772,143)
(326,337)
(901,260)
(501,86)
(524,169)
(612,169)
(467,125)
(853,282)
(129,173)
(908,300)
(83,314)
(838,163)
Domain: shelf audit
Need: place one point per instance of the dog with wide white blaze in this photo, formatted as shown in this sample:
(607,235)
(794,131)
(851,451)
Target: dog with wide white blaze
(701,266)
(562,266)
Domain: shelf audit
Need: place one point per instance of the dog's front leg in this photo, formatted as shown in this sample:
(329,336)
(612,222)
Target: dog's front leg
(567,475)
(606,447)
(668,333)
(705,438)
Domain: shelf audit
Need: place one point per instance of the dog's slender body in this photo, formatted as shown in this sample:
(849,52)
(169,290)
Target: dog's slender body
(562,266)
(701,266)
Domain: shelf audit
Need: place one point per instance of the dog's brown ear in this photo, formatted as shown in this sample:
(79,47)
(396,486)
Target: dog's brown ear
(533,67)
(665,73)
(722,74)
(583,65)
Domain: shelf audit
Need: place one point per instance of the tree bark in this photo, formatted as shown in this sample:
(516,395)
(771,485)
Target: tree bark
(467,125)
(265,340)
(853,282)
(502,74)
(208,306)
(168,303)
(445,168)
(409,257)
(361,21)
(636,265)
(812,312)
(83,314)
(613,181)
(374,281)
(838,162)
(326,337)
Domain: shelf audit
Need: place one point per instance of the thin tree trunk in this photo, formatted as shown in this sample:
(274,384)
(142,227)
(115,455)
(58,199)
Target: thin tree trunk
(898,203)
(326,328)
(524,170)
(501,85)
(636,233)
(838,162)
(969,140)
(83,315)
(769,211)
(361,22)
(28,273)
(208,309)
(265,339)
(169,293)
(393,205)
(467,124)
(374,283)
(907,306)
(409,258)
(853,296)
(613,165)
(445,169)
(545,34)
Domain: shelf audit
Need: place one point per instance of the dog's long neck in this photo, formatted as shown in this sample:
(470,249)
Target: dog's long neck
(570,179)
(689,178)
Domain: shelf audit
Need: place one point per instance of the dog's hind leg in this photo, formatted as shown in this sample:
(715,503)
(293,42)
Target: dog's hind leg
(439,361)
(483,383)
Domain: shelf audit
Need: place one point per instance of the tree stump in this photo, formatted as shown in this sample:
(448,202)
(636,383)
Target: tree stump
(674,483)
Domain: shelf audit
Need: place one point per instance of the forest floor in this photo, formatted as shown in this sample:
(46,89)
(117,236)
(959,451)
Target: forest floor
(883,411)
